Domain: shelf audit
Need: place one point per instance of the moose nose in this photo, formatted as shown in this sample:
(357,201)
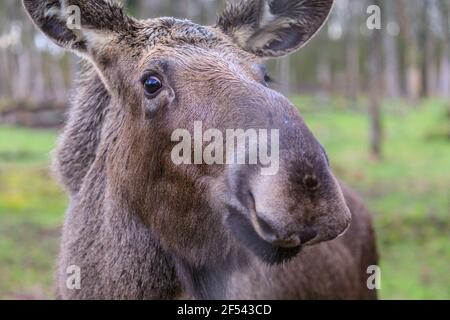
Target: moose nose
(307,235)
(284,240)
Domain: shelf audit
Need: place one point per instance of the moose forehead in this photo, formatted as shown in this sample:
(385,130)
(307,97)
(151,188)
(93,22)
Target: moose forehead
(171,32)
(158,42)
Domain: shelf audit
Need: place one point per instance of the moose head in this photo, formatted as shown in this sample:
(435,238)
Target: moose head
(166,74)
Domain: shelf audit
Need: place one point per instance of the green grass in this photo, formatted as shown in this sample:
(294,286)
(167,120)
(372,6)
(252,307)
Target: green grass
(31,212)
(25,145)
(408,193)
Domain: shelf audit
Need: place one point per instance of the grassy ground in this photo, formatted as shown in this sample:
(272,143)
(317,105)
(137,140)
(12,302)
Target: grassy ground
(31,211)
(408,191)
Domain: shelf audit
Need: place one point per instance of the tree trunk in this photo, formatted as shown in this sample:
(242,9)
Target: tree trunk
(285,76)
(57,80)
(413,75)
(375,76)
(324,75)
(392,70)
(352,57)
(445,60)
(424,36)
(431,69)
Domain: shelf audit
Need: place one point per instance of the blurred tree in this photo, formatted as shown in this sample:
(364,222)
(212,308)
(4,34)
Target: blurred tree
(375,84)
(430,61)
(407,27)
(285,75)
(415,45)
(392,68)
(445,61)
(353,16)
(423,39)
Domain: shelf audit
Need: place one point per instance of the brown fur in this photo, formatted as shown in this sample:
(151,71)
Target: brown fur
(136,219)
(154,277)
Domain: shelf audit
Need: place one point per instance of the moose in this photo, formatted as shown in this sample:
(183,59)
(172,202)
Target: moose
(141,227)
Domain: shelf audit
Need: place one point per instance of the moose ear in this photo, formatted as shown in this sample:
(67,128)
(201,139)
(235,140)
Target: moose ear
(274,28)
(74,24)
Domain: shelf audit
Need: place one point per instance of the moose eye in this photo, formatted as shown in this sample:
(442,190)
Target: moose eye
(268,80)
(152,85)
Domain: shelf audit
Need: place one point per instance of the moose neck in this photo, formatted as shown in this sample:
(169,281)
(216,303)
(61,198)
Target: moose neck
(211,282)
(204,283)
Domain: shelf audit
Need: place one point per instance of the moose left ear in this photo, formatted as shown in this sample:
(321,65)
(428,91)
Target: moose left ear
(274,28)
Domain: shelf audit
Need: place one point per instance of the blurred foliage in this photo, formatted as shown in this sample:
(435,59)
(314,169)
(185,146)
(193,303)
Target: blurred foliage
(31,211)
(408,193)
(337,59)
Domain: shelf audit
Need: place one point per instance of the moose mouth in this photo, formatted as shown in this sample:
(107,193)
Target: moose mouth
(269,253)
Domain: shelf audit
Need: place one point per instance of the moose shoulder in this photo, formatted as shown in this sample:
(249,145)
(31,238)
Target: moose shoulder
(143,227)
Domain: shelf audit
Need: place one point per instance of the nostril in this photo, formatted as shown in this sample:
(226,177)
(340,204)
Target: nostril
(269,234)
(267,229)
(311,182)
(307,235)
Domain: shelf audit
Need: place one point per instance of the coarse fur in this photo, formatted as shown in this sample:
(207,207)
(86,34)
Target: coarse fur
(140,227)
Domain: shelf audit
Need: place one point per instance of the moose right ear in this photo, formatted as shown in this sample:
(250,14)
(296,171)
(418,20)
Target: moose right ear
(95,20)
(273,28)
